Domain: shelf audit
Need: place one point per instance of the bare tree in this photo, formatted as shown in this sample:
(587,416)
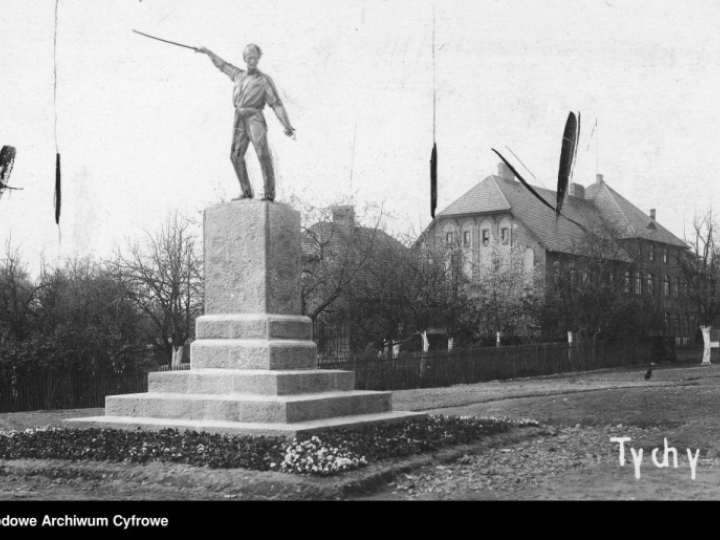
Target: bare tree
(163,276)
(18,294)
(701,274)
(337,245)
(85,315)
(504,298)
(376,305)
(402,293)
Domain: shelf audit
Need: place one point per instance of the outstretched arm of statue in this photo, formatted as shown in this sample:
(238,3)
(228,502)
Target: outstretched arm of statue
(282,115)
(221,64)
(214,57)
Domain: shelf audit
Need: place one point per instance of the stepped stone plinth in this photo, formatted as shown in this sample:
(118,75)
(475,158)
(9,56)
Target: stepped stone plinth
(253,363)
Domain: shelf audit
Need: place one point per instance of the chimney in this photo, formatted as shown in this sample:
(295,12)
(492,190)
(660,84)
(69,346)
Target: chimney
(599,179)
(576,190)
(344,216)
(504,172)
(652,214)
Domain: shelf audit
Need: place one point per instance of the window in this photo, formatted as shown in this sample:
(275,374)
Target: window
(505,235)
(466,238)
(667,287)
(627,282)
(528,260)
(485,237)
(448,238)
(638,283)
(667,322)
(649,290)
(677,288)
(467,267)
(666,255)
(652,253)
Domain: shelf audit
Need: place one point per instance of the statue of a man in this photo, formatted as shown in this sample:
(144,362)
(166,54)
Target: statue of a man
(253,90)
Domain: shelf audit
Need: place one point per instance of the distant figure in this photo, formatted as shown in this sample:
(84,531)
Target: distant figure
(253,90)
(648,374)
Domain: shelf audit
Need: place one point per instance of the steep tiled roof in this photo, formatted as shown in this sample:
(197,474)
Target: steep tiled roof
(601,206)
(638,223)
(555,234)
(485,197)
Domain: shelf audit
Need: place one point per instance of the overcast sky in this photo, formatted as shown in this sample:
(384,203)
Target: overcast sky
(144,127)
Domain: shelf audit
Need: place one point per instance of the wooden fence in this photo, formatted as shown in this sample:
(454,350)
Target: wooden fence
(50,388)
(434,369)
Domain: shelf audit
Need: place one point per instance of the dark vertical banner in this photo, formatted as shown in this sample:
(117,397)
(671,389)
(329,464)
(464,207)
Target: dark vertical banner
(58,195)
(568,152)
(433,180)
(7,160)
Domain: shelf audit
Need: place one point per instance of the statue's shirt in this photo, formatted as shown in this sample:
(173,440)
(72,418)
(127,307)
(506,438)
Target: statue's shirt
(251,91)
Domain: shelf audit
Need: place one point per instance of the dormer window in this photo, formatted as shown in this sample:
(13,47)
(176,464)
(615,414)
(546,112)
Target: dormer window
(466,238)
(448,238)
(505,235)
(485,237)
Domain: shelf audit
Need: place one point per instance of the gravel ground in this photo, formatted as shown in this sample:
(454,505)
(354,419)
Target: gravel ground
(500,472)
(540,468)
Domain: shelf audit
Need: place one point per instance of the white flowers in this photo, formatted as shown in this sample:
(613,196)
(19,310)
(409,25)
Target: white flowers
(518,422)
(313,457)
(12,432)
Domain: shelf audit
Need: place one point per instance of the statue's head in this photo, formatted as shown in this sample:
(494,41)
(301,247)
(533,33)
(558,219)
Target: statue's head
(252,49)
(251,55)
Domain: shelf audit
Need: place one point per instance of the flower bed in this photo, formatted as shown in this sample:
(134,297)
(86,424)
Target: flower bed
(329,453)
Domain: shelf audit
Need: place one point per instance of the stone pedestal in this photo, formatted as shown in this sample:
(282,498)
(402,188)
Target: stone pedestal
(253,363)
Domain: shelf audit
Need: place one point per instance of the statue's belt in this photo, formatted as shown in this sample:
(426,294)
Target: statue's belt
(247,111)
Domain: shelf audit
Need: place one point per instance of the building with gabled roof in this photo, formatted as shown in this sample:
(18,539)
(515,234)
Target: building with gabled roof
(500,207)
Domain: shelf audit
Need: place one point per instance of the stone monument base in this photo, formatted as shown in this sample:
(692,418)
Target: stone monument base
(253,363)
(258,402)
